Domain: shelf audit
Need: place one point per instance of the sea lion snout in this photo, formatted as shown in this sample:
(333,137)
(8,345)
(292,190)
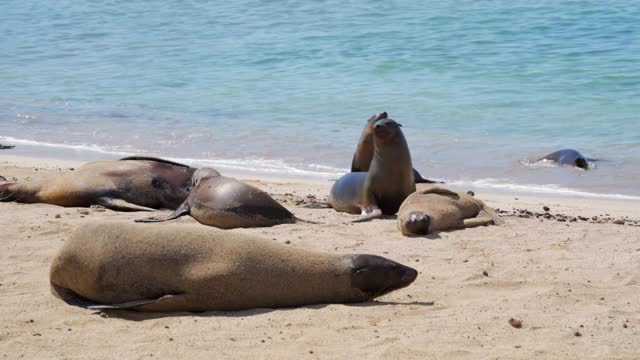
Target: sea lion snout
(386,128)
(376,275)
(418,223)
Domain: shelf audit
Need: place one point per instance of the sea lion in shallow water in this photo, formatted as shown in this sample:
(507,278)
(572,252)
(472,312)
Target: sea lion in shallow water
(180,267)
(364,151)
(388,182)
(129,184)
(568,157)
(228,203)
(438,209)
(6,147)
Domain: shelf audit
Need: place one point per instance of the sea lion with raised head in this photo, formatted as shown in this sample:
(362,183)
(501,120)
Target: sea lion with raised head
(388,182)
(438,209)
(129,184)
(364,151)
(181,267)
(227,203)
(568,157)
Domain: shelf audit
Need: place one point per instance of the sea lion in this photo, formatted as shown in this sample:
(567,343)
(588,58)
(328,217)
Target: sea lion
(183,267)
(5,147)
(125,185)
(227,203)
(364,151)
(568,157)
(437,209)
(388,182)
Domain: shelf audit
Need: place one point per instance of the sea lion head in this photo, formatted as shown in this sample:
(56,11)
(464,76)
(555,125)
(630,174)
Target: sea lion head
(375,275)
(582,163)
(372,120)
(202,174)
(385,130)
(417,223)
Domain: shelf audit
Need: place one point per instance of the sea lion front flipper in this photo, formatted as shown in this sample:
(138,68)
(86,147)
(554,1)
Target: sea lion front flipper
(158,303)
(120,205)
(477,221)
(368,215)
(180,211)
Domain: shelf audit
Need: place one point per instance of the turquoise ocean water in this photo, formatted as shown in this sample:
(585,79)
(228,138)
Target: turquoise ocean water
(284,88)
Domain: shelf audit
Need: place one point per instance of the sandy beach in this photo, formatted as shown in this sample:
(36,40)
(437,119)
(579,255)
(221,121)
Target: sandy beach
(571,277)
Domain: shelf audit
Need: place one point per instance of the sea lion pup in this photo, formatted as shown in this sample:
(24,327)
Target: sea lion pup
(437,209)
(125,185)
(388,182)
(364,151)
(227,203)
(181,267)
(568,157)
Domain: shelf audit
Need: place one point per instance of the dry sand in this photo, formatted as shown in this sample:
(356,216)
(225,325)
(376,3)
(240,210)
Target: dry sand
(574,285)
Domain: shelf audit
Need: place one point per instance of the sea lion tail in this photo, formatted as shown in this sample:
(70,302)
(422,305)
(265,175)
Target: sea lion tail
(180,211)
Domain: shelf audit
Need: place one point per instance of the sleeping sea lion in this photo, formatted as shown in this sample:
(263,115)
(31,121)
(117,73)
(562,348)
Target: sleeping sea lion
(568,157)
(364,151)
(437,209)
(228,203)
(125,185)
(388,182)
(181,267)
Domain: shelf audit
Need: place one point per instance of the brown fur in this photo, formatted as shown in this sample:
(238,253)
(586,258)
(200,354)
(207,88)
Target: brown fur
(120,185)
(364,151)
(447,210)
(178,267)
(388,182)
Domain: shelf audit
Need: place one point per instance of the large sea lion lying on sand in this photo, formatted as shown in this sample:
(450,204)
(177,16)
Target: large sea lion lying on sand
(227,203)
(388,182)
(437,209)
(129,184)
(364,151)
(179,267)
(569,157)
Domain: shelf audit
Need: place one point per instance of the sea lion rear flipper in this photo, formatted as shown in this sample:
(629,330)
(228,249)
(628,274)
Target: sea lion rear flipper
(144,305)
(489,212)
(180,211)
(151,158)
(120,205)
(420,180)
